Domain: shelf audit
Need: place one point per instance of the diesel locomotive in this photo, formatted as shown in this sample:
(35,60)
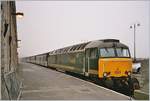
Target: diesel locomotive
(108,61)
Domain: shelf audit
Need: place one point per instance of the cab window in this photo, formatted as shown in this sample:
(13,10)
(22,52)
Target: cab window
(114,52)
(122,52)
(107,52)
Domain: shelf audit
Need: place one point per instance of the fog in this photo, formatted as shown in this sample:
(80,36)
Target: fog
(49,25)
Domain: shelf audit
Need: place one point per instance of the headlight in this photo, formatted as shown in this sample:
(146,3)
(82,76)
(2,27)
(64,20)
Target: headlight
(105,74)
(129,73)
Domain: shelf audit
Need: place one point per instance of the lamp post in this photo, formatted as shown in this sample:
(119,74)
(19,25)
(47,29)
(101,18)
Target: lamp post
(134,29)
(18,15)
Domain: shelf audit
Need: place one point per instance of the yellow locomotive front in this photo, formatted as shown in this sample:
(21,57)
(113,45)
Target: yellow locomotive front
(115,68)
(114,62)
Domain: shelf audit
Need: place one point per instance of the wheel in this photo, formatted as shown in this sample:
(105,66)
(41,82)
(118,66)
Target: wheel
(109,83)
(135,83)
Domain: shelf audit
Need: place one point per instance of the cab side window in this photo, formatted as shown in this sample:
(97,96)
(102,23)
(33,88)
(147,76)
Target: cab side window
(93,53)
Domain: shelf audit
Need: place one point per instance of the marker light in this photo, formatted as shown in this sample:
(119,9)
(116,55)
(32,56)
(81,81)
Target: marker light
(129,73)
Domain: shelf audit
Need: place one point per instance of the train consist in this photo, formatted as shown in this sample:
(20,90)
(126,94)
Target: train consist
(108,61)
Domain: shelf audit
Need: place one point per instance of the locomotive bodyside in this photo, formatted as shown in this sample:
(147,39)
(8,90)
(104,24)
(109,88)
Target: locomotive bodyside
(72,62)
(85,59)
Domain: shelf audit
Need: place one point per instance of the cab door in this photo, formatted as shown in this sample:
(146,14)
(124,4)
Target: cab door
(91,61)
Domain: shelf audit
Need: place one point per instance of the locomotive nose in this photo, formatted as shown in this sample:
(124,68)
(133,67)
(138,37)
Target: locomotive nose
(116,67)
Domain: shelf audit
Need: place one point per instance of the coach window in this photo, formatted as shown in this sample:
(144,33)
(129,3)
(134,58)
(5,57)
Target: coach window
(65,50)
(79,47)
(74,48)
(71,49)
(83,46)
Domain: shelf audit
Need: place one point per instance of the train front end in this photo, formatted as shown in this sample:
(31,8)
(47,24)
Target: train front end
(115,67)
(114,62)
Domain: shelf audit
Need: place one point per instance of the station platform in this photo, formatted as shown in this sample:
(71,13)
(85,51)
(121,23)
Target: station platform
(40,83)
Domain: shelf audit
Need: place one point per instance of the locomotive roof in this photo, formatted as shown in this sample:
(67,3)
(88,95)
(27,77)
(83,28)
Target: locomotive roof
(90,44)
(104,43)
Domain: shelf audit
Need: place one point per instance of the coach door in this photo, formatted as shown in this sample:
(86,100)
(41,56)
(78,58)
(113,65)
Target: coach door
(91,61)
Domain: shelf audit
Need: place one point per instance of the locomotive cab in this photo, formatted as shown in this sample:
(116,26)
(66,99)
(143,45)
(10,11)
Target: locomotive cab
(115,66)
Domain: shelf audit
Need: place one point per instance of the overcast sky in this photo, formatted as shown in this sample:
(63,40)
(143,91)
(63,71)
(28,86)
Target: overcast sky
(49,25)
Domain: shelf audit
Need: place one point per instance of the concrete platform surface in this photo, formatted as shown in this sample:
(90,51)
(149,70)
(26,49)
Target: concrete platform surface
(41,83)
